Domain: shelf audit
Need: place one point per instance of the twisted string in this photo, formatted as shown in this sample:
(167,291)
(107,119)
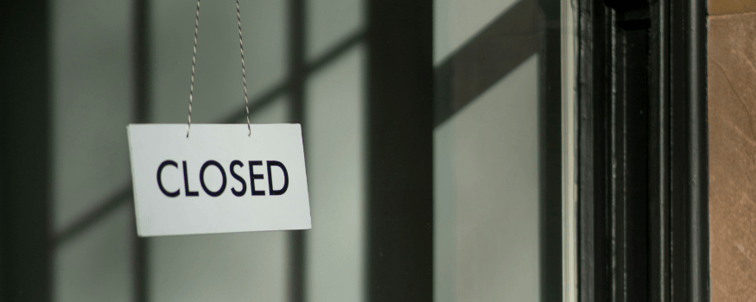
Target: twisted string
(194,62)
(244,73)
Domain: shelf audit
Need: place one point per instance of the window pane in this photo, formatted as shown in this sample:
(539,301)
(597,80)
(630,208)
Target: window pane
(486,195)
(223,267)
(218,90)
(335,245)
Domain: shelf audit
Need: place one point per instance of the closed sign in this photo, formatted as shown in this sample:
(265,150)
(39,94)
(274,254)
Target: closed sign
(219,179)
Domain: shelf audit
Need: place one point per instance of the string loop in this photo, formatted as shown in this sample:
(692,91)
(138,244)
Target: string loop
(194,62)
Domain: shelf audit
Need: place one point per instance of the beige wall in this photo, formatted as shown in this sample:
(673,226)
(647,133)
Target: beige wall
(725,7)
(732,149)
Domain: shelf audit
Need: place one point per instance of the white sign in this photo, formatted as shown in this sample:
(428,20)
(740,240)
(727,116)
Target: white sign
(219,179)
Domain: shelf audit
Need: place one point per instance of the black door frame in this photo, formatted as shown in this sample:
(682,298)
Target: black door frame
(642,151)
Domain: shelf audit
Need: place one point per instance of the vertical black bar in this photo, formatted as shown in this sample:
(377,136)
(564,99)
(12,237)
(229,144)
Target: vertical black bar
(689,153)
(618,177)
(400,151)
(593,233)
(550,151)
(296,87)
(698,190)
(615,153)
(659,234)
(141,114)
(636,93)
(25,146)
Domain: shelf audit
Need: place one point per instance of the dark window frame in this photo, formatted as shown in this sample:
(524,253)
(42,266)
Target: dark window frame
(642,163)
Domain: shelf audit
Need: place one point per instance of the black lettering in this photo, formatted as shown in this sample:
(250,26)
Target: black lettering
(186,184)
(239,178)
(253,176)
(270,178)
(160,181)
(202,178)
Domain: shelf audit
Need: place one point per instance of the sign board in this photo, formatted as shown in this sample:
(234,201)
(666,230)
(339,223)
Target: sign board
(219,179)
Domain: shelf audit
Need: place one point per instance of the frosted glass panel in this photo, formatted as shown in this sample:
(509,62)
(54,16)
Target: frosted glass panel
(97,266)
(456,21)
(486,232)
(219,267)
(335,153)
(331,21)
(91,104)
